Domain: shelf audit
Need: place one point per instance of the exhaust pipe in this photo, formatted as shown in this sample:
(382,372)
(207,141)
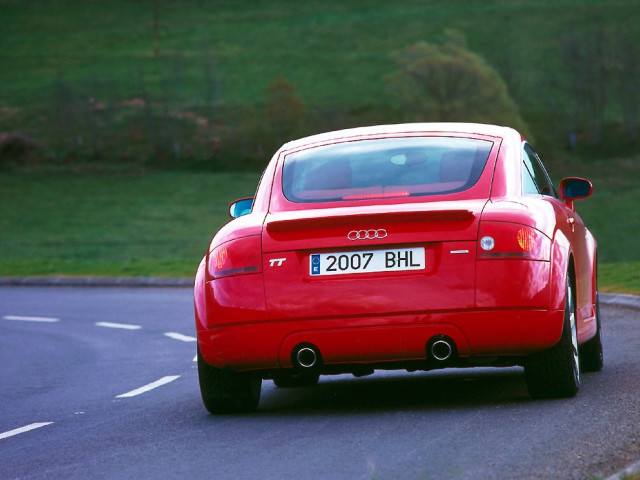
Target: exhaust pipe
(305,357)
(441,349)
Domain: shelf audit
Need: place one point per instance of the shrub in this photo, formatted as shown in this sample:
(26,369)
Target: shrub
(16,148)
(449,83)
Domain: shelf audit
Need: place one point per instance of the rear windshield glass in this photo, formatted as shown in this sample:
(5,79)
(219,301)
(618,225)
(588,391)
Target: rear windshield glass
(384,168)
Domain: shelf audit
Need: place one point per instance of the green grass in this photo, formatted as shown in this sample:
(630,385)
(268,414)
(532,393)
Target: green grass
(619,278)
(155,224)
(159,224)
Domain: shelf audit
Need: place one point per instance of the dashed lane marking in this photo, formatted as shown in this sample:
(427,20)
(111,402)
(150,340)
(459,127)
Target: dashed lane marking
(30,319)
(151,386)
(181,337)
(24,429)
(123,326)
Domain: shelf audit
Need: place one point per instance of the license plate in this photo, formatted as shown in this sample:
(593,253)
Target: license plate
(340,263)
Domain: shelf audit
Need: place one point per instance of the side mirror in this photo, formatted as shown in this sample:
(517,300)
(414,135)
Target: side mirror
(573,188)
(240,207)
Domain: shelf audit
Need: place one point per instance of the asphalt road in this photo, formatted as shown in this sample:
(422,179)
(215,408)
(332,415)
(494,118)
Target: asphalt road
(81,396)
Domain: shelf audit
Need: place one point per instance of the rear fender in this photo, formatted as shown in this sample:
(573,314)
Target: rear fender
(560,256)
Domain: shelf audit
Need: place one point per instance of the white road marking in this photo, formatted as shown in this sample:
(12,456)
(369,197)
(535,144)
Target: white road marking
(20,430)
(181,337)
(118,325)
(151,386)
(31,319)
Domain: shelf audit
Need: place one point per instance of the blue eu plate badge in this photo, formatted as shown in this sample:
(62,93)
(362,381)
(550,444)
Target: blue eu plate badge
(315,264)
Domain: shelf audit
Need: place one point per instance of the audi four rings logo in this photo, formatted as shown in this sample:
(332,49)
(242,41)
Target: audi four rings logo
(367,234)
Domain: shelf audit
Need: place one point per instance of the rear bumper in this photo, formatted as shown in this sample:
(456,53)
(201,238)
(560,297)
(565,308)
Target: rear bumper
(476,333)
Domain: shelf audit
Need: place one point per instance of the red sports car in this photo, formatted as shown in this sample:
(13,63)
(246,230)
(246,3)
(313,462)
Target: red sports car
(416,247)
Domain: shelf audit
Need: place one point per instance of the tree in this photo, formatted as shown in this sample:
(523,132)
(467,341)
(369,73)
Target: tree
(285,111)
(449,83)
(601,68)
(156,28)
(626,71)
(586,67)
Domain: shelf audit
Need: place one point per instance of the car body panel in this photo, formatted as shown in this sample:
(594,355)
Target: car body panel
(380,340)
(439,229)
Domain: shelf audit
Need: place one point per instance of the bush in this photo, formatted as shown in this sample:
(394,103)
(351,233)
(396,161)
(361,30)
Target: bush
(449,83)
(16,149)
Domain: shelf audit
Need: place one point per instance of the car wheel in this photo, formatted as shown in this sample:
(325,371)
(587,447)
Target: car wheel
(555,373)
(591,356)
(288,379)
(225,391)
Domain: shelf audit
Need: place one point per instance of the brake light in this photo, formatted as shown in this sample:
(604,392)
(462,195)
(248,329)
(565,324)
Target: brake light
(376,195)
(237,257)
(511,240)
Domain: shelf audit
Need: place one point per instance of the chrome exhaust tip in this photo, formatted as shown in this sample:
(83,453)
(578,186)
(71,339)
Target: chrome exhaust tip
(441,349)
(306,357)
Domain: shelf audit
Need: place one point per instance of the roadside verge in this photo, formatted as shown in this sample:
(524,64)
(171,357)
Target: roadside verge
(96,282)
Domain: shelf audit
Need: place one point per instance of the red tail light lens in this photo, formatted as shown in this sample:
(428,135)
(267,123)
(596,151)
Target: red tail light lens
(526,239)
(237,257)
(511,240)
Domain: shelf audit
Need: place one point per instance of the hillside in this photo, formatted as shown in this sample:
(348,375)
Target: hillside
(112,79)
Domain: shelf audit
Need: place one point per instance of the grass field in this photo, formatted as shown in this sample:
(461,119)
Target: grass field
(115,225)
(159,224)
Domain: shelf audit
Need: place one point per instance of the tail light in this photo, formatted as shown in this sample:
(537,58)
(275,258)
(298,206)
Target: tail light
(512,240)
(236,257)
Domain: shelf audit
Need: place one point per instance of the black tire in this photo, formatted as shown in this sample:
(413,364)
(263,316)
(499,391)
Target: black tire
(591,356)
(291,379)
(225,391)
(555,373)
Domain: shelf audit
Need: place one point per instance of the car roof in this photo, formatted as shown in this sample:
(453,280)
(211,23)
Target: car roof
(399,129)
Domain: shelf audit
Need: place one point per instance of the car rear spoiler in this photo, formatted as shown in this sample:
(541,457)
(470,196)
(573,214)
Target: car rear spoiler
(368,219)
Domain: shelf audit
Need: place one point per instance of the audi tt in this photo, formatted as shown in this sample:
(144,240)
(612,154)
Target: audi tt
(415,247)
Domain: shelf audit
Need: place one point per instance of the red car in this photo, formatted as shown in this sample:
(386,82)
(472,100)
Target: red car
(416,247)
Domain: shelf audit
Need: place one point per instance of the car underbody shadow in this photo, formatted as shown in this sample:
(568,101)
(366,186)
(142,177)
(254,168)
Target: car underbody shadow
(458,388)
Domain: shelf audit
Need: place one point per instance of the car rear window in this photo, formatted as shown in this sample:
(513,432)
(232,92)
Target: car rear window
(384,168)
